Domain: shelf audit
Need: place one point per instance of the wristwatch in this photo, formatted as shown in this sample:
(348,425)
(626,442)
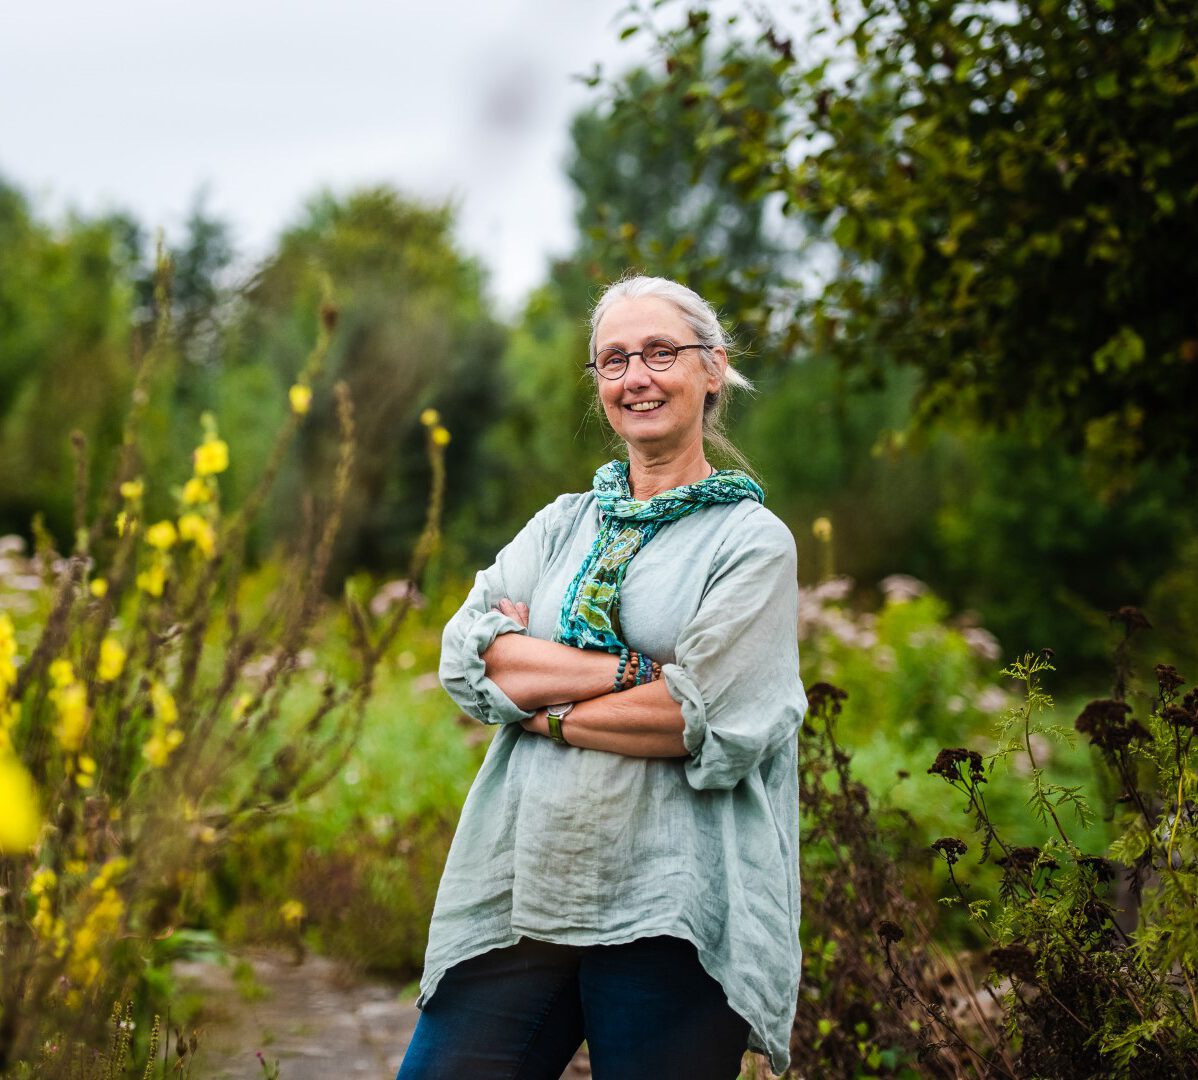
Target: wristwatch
(556,713)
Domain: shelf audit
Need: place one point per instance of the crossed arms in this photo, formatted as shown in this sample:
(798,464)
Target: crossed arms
(644,721)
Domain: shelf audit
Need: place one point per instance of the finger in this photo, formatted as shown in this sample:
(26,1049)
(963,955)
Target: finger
(522,611)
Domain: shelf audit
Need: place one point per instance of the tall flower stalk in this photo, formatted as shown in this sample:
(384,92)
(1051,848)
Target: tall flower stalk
(146,719)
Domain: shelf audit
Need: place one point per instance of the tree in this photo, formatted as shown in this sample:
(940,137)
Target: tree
(414,332)
(64,308)
(648,200)
(1009,192)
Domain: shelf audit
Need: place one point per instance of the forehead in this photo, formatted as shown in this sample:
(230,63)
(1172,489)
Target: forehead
(639,320)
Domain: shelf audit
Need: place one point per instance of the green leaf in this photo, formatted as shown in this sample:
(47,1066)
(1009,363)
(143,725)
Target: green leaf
(1121,352)
(846,231)
(1131,845)
(1166,44)
(1106,86)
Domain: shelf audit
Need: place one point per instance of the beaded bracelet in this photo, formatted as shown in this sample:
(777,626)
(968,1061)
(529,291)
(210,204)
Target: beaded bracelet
(634,666)
(636,669)
(618,685)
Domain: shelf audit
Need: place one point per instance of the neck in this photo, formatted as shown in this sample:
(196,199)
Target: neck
(649,475)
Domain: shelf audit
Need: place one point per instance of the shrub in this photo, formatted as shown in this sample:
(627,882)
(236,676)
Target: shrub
(1089,956)
(146,719)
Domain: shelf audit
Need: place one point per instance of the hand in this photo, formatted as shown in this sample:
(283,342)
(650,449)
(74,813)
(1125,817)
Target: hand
(519,611)
(538,723)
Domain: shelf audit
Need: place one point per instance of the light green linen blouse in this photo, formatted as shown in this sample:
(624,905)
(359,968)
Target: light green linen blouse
(584,847)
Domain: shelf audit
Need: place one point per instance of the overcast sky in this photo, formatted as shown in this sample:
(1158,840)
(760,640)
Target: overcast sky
(137,105)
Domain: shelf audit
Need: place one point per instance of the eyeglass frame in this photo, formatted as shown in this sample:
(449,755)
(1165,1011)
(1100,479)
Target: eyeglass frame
(641,353)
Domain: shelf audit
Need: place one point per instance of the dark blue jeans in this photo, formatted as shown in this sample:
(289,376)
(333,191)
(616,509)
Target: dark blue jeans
(646,1009)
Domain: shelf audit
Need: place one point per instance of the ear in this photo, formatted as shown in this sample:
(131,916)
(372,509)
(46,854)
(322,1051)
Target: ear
(715,380)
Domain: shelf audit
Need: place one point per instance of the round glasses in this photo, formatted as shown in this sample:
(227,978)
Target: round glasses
(657,356)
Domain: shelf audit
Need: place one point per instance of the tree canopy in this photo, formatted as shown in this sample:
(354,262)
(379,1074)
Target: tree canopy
(1009,193)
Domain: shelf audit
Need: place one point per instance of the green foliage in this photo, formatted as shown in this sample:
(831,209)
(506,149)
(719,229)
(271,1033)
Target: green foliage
(548,437)
(1010,190)
(650,199)
(1093,993)
(413,333)
(64,307)
(1019,523)
(1085,924)
(147,718)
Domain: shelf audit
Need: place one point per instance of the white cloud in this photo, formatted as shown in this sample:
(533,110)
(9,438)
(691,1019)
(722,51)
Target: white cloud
(138,105)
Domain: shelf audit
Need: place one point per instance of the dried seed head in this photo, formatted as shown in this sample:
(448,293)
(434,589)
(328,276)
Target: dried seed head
(950,848)
(1132,618)
(1168,678)
(1108,725)
(823,698)
(890,932)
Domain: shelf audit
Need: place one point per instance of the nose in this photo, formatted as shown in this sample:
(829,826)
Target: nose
(638,373)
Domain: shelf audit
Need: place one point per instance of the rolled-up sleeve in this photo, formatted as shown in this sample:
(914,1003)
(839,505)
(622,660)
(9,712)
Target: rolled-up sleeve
(736,673)
(475,626)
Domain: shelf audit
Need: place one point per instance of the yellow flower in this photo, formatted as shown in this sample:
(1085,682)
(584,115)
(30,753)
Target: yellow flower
(430,417)
(20,818)
(73,716)
(821,529)
(123,522)
(164,738)
(207,835)
(211,457)
(242,703)
(195,528)
(133,489)
(85,771)
(301,398)
(164,704)
(112,869)
(196,491)
(153,580)
(8,649)
(162,535)
(44,879)
(158,747)
(8,635)
(112,660)
(293,912)
(101,925)
(61,673)
(440,436)
(98,587)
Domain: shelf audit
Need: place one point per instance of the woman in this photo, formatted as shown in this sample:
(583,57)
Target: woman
(626,866)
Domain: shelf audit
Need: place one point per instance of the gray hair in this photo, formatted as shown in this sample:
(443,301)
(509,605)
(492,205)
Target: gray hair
(704,323)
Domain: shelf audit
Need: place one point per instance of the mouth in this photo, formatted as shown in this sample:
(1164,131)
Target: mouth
(644,406)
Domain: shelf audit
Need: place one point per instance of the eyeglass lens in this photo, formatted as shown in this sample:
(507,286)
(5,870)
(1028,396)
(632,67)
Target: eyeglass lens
(658,355)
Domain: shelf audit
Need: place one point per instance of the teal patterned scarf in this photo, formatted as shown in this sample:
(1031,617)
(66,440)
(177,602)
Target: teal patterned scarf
(590,617)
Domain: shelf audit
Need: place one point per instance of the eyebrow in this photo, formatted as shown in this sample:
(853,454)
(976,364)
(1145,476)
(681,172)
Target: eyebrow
(644,341)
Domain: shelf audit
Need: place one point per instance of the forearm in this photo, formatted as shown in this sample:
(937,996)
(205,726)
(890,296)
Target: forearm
(644,721)
(533,672)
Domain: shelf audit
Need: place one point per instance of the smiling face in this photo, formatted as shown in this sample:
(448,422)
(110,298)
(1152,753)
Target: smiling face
(657,413)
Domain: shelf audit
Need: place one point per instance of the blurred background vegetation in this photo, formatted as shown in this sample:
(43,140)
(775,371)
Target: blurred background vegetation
(957,255)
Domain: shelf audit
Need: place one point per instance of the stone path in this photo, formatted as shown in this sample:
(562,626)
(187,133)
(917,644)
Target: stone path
(318,1019)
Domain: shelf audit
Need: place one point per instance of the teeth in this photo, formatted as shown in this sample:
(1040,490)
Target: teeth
(644,406)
